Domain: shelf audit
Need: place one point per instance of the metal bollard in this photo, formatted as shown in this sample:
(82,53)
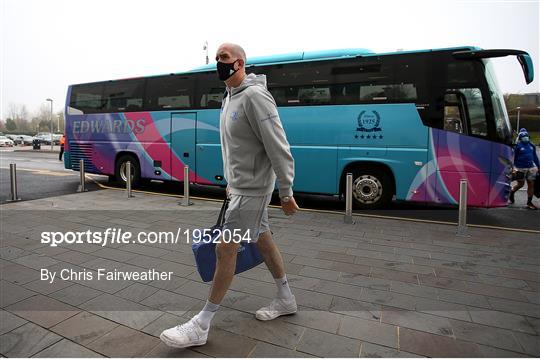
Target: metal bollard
(462,217)
(82,184)
(128,179)
(348,200)
(186,201)
(13,176)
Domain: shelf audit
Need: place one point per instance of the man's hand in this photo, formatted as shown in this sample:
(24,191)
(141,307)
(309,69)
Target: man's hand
(289,207)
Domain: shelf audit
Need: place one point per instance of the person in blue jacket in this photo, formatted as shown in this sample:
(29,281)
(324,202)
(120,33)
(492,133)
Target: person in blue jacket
(526,164)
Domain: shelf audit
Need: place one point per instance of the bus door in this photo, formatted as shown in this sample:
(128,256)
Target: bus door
(461,148)
(208,147)
(183,132)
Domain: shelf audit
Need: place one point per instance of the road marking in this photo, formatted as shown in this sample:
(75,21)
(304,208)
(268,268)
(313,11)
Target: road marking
(333,211)
(32,160)
(42,172)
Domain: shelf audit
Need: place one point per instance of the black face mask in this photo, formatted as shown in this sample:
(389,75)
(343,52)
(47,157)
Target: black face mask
(225,71)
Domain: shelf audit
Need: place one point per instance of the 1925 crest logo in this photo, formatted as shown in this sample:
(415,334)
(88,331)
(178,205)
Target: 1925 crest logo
(369,122)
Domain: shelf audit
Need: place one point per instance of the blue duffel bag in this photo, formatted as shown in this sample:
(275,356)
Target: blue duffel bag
(204,249)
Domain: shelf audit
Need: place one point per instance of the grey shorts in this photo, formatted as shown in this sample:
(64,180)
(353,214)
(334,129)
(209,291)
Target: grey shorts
(528,173)
(248,214)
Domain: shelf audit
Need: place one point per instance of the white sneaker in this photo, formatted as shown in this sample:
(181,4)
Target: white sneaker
(277,308)
(185,335)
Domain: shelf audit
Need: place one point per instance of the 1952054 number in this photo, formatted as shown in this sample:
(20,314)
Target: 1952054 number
(218,235)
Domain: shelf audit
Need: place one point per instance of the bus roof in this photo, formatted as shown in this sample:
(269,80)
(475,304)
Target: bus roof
(306,56)
(297,56)
(323,55)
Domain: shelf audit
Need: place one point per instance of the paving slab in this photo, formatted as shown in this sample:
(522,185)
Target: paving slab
(426,344)
(67,349)
(75,294)
(84,327)
(481,334)
(323,344)
(226,344)
(279,333)
(26,341)
(8,321)
(122,311)
(377,351)
(266,350)
(43,310)
(377,288)
(12,293)
(316,319)
(124,342)
(370,331)
(163,351)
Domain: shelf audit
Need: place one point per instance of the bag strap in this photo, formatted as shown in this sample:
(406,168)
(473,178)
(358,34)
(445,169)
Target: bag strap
(221,216)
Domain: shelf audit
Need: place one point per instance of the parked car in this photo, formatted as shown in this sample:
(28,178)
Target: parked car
(44,138)
(4,141)
(24,139)
(56,138)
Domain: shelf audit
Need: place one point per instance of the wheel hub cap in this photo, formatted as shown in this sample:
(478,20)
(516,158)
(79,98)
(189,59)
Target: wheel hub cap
(367,189)
(123,174)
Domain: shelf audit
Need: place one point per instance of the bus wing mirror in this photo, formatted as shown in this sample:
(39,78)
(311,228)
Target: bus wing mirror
(527,66)
(523,58)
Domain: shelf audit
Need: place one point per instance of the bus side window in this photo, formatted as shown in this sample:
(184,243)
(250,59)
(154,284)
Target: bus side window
(453,113)
(123,95)
(476,112)
(169,92)
(210,90)
(88,98)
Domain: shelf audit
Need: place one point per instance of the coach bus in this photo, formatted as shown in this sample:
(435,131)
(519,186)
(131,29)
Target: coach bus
(407,125)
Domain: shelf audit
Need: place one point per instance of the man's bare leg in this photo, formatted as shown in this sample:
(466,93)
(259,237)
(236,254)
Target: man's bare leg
(271,255)
(516,187)
(225,266)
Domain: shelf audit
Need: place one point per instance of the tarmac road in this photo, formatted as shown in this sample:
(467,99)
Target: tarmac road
(41,175)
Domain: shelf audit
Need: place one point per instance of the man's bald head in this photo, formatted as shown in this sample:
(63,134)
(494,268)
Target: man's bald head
(232,50)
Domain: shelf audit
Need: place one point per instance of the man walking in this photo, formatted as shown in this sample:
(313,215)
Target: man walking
(62,142)
(526,163)
(255,151)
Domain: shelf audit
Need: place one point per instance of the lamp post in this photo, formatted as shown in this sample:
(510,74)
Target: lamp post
(51,100)
(205,47)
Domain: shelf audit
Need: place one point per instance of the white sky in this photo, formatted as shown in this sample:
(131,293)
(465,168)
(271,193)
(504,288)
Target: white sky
(48,44)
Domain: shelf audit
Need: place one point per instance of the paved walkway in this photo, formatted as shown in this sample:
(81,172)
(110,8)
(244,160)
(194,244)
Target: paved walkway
(376,288)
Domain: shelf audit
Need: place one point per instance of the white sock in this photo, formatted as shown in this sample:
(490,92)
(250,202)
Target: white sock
(207,314)
(284,292)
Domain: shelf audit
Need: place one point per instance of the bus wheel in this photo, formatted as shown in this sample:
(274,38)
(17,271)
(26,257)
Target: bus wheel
(121,166)
(372,189)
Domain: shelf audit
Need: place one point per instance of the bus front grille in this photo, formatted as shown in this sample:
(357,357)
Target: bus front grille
(79,151)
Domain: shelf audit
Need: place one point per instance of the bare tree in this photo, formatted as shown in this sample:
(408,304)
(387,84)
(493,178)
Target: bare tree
(18,112)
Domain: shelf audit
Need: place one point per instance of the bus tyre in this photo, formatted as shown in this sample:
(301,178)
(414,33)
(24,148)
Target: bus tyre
(372,188)
(121,170)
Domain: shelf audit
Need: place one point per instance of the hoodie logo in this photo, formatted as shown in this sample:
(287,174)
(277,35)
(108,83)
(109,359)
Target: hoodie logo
(269,117)
(234,115)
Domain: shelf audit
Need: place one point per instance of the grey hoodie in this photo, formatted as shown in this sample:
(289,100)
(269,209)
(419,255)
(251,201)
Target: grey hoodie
(253,143)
